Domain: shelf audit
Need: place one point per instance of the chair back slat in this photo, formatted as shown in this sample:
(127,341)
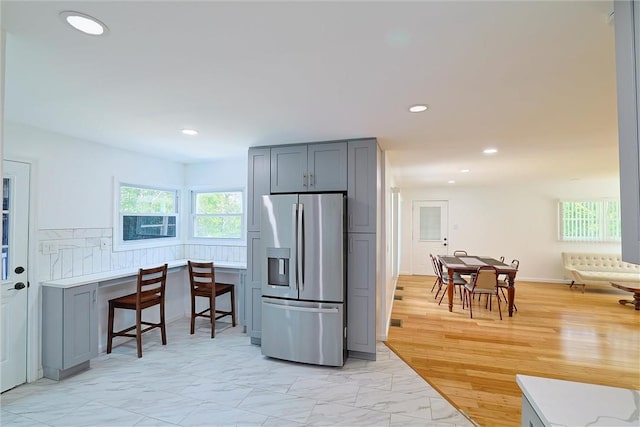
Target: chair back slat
(151,281)
(201,274)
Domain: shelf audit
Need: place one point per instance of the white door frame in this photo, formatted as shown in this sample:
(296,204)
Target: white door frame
(17,298)
(34,305)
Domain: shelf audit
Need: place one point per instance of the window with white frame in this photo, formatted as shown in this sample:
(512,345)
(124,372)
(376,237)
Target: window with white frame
(590,221)
(146,213)
(217,214)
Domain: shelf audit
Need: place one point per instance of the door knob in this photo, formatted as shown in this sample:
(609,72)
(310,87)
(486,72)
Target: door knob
(19,270)
(19,286)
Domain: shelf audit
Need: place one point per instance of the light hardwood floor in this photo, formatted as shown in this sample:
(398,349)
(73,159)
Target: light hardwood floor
(557,332)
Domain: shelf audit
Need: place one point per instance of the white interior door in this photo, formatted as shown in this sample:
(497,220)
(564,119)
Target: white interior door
(429,234)
(13,308)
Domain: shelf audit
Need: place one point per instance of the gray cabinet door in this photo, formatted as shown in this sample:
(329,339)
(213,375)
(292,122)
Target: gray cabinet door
(80,325)
(529,416)
(362,176)
(258,184)
(327,167)
(361,293)
(289,169)
(627,29)
(253,290)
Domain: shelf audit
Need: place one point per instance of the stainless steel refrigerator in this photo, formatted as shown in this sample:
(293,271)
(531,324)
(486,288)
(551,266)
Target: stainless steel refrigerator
(303,289)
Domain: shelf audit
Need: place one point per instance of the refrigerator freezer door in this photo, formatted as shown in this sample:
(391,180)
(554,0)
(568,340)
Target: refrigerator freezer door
(278,254)
(303,332)
(323,264)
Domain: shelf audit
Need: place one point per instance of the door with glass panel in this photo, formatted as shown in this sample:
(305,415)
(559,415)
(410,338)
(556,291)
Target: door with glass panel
(13,307)
(429,234)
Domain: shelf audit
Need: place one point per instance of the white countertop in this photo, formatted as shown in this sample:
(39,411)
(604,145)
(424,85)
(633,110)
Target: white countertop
(128,272)
(568,403)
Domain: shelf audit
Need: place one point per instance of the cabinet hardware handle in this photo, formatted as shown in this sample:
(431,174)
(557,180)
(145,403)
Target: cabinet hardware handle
(311,180)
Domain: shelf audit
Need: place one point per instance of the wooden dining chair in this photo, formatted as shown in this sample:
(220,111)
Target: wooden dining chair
(438,281)
(458,275)
(503,282)
(150,289)
(458,282)
(485,282)
(202,279)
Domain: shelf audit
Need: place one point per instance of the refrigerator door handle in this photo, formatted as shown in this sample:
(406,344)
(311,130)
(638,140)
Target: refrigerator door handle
(300,246)
(294,232)
(333,310)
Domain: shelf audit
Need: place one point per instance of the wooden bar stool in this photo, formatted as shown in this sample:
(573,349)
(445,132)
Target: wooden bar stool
(202,278)
(149,292)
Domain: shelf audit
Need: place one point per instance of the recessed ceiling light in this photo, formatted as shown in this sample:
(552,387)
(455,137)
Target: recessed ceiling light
(190,132)
(464,170)
(451,181)
(490,150)
(418,108)
(83,22)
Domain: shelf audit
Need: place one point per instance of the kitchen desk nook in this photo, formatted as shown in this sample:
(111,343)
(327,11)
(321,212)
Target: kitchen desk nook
(70,319)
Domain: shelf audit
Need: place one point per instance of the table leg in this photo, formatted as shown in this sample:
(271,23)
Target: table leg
(511,294)
(450,289)
(635,302)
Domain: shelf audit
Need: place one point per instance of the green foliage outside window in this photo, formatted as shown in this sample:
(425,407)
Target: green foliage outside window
(147,200)
(218,215)
(596,221)
(147,213)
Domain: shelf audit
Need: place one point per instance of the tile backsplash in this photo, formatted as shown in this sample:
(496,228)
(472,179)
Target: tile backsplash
(71,252)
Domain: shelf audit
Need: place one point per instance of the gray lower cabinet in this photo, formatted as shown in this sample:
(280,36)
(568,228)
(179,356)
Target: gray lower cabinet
(529,416)
(69,329)
(361,295)
(627,30)
(253,289)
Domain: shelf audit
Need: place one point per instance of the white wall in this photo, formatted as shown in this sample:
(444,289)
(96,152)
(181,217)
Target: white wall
(75,177)
(514,221)
(219,174)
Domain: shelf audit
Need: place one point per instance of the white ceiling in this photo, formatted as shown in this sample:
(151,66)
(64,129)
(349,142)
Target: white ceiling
(534,79)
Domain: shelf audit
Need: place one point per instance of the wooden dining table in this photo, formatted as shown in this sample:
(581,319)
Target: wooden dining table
(469,264)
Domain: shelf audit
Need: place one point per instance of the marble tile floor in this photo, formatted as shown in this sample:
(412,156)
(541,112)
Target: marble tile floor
(199,381)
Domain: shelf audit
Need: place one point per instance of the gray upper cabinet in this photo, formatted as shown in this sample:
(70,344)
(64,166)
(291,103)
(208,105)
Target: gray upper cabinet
(627,30)
(327,166)
(362,186)
(309,167)
(258,184)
